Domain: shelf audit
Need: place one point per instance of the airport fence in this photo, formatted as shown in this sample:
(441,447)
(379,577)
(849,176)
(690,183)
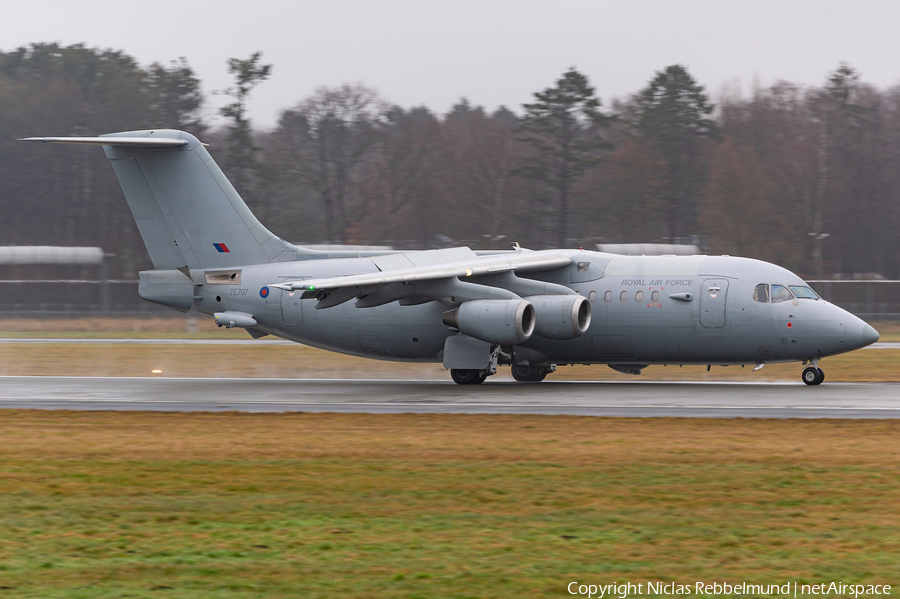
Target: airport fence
(870,299)
(75,297)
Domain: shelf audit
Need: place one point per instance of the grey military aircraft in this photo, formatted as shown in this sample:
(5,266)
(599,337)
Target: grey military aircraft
(472,311)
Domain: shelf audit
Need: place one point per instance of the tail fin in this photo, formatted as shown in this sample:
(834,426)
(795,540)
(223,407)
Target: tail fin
(187,211)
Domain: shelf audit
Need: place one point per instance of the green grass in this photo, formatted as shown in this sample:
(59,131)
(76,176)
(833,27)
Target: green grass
(327,505)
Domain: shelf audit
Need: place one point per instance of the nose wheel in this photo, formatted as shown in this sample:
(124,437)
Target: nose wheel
(813,375)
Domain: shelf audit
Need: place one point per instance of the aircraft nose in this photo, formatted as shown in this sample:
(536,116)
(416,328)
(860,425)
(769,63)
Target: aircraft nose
(869,335)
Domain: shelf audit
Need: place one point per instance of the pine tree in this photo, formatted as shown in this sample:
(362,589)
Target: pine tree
(562,127)
(673,120)
(241,159)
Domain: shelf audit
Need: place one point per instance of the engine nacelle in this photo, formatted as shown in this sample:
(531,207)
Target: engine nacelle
(561,316)
(501,322)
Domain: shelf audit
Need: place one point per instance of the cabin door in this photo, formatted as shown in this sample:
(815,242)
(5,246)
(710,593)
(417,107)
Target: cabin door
(712,302)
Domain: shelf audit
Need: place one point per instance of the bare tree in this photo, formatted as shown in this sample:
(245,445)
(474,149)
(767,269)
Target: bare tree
(400,187)
(477,158)
(331,133)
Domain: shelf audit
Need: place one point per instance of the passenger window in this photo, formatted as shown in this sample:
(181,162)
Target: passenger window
(623,296)
(761,293)
(654,297)
(639,296)
(607,296)
(592,295)
(780,293)
(804,292)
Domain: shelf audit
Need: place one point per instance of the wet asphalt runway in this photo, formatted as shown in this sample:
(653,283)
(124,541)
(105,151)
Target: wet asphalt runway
(633,398)
(263,341)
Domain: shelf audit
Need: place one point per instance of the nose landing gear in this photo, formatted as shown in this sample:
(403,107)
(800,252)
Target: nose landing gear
(813,375)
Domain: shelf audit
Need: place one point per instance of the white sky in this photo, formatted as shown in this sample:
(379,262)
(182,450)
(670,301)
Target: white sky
(494,52)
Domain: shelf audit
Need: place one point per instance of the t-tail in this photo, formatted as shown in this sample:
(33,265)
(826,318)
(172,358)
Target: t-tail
(187,211)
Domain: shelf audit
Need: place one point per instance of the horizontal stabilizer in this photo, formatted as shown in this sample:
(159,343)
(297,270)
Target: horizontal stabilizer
(122,142)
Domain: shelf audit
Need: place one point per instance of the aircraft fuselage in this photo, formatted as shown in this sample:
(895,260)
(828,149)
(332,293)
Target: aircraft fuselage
(645,310)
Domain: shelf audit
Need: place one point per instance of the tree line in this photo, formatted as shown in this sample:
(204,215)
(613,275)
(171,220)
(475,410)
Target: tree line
(807,177)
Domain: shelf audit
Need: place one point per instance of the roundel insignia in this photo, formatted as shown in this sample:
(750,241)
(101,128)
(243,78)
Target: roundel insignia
(264,292)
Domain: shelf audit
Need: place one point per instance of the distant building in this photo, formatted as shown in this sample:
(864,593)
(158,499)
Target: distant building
(48,254)
(649,249)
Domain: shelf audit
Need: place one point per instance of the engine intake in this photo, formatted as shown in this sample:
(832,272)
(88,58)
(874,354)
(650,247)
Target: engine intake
(561,316)
(501,322)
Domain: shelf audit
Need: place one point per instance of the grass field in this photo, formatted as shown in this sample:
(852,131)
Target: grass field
(352,506)
(264,360)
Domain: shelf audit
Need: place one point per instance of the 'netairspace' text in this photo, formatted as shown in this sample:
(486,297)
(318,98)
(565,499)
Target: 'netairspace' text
(790,589)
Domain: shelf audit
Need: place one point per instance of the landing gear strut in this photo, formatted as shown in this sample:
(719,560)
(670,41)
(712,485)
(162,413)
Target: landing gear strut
(813,375)
(468,377)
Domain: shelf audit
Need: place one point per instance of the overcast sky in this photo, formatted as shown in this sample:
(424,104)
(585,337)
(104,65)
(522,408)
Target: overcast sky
(493,52)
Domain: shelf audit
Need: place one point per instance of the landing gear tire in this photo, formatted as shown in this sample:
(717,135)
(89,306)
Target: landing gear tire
(813,375)
(528,374)
(467,377)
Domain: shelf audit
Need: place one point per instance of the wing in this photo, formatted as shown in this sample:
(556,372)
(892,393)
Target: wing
(454,276)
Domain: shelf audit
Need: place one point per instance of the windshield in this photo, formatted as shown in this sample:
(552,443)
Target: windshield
(780,293)
(804,292)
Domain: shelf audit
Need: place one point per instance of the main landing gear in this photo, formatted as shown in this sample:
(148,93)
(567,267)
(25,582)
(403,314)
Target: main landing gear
(523,374)
(468,377)
(813,375)
(531,374)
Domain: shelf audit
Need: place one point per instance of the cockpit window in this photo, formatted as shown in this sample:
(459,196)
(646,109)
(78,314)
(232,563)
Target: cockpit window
(804,292)
(780,293)
(761,293)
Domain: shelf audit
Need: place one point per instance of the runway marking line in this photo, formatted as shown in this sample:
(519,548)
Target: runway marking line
(442,382)
(458,405)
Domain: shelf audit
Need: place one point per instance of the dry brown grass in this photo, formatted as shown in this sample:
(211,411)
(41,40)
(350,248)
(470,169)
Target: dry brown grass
(296,361)
(117,327)
(570,440)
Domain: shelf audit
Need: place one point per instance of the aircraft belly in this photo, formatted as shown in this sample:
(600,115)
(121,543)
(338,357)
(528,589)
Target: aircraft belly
(388,332)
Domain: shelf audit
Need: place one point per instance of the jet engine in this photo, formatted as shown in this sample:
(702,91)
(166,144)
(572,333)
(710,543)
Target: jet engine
(501,322)
(561,316)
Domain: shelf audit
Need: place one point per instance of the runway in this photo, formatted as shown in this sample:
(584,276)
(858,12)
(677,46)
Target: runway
(592,398)
(139,341)
(257,342)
